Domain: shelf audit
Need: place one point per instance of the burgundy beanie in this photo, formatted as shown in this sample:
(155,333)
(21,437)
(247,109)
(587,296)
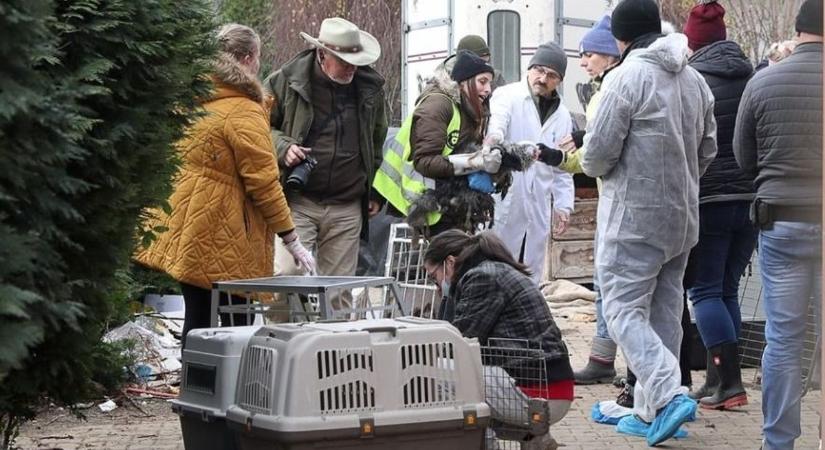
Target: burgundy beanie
(705,25)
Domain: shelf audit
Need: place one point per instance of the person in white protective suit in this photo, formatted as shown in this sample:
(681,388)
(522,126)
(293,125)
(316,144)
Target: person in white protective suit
(653,136)
(531,110)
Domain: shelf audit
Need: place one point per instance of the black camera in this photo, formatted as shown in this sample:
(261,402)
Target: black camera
(299,176)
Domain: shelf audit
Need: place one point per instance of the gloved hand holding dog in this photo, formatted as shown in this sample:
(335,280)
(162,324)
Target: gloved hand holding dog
(550,156)
(486,159)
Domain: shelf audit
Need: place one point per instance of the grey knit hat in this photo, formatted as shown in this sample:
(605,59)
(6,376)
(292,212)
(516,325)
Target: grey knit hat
(550,55)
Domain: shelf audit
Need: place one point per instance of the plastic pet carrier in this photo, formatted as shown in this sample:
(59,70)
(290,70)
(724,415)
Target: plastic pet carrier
(210,373)
(400,384)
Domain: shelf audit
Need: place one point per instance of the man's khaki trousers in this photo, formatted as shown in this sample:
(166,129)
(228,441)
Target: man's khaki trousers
(332,233)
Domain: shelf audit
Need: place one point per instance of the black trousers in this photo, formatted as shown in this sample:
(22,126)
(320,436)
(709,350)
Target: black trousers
(198,303)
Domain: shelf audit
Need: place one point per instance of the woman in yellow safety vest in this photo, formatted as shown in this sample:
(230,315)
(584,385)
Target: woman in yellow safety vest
(423,175)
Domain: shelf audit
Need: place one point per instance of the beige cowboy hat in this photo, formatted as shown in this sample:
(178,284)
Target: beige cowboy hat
(346,41)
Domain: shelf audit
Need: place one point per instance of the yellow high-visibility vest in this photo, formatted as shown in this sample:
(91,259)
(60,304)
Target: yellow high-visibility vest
(397,180)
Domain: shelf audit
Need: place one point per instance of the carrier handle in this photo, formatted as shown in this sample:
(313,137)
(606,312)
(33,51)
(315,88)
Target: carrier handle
(386,329)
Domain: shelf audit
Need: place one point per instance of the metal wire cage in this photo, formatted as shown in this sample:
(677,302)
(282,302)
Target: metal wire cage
(511,367)
(752,335)
(405,263)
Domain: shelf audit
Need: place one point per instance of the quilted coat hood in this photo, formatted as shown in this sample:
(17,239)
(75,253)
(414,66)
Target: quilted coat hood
(723,59)
(228,73)
(442,82)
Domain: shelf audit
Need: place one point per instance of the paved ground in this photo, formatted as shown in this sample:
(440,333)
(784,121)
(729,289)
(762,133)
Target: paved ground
(129,428)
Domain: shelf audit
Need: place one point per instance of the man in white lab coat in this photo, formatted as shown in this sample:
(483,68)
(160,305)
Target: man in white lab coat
(531,110)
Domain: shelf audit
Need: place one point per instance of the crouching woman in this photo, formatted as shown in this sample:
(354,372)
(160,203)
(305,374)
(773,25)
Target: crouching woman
(489,295)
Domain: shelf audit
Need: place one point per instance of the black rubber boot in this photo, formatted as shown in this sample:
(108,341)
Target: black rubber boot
(599,368)
(730,393)
(711,381)
(684,349)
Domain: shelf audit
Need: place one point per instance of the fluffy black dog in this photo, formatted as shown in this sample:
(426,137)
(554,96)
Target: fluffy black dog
(468,209)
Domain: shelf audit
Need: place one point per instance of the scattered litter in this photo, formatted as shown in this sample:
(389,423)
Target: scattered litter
(156,350)
(138,407)
(64,436)
(84,405)
(107,406)
(152,393)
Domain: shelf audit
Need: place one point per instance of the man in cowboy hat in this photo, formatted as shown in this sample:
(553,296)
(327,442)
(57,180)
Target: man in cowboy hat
(328,127)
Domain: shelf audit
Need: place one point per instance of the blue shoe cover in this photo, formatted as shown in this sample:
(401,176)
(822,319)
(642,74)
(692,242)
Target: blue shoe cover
(670,418)
(608,412)
(634,426)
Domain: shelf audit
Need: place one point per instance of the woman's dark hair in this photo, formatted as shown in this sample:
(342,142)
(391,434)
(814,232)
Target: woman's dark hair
(479,108)
(470,251)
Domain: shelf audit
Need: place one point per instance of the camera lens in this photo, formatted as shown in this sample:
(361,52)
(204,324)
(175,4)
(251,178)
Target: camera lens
(299,176)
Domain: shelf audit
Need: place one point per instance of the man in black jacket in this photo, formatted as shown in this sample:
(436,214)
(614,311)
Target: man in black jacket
(726,235)
(778,139)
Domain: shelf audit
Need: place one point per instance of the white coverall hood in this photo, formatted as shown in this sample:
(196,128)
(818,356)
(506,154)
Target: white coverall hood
(670,52)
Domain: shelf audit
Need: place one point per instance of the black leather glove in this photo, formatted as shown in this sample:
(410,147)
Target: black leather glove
(550,156)
(578,138)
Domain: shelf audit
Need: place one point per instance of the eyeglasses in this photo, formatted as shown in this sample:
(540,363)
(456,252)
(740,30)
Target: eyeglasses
(543,72)
(431,275)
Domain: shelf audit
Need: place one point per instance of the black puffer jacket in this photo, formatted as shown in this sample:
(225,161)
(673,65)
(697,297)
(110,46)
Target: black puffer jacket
(726,70)
(779,129)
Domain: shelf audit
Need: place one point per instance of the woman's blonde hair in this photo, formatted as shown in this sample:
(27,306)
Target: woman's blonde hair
(238,40)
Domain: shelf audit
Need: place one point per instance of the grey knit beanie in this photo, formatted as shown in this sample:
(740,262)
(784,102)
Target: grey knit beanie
(550,55)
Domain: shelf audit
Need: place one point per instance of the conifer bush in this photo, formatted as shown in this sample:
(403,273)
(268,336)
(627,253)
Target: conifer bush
(93,94)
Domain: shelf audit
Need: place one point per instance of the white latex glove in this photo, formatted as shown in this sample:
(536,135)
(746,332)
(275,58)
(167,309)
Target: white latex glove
(484,159)
(303,258)
(493,139)
(560,220)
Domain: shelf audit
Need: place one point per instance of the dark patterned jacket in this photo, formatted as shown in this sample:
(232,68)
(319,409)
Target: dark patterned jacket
(494,300)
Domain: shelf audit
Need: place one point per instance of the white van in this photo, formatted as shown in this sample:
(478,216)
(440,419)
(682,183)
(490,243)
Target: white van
(513,30)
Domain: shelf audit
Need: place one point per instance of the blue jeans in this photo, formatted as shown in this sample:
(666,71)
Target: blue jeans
(790,260)
(726,242)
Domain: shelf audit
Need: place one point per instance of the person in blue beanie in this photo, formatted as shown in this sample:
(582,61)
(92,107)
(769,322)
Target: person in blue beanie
(599,53)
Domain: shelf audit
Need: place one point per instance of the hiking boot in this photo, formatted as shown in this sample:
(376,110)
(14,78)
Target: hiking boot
(599,368)
(711,381)
(730,392)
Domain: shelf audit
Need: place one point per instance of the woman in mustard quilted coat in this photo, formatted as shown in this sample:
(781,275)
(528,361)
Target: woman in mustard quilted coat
(227,203)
